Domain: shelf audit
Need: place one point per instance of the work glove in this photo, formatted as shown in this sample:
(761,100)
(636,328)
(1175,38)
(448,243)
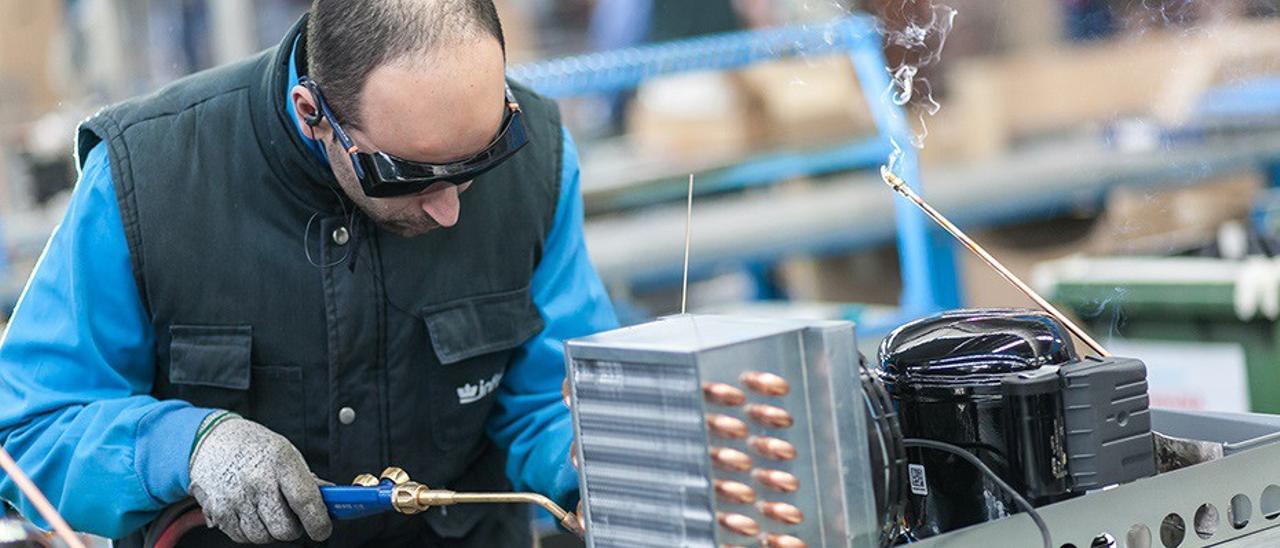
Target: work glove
(253,484)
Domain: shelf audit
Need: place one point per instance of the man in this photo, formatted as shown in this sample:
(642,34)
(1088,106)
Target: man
(358,249)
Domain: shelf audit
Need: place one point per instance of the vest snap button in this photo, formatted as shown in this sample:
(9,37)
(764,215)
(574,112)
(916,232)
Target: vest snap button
(346,415)
(341,236)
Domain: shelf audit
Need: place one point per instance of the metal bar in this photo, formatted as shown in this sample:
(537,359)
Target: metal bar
(930,280)
(623,69)
(929,275)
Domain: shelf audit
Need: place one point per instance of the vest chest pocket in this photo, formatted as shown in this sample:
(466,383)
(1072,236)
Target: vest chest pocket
(211,366)
(474,339)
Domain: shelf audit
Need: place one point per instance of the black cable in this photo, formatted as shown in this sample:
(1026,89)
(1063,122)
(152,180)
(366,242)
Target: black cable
(986,471)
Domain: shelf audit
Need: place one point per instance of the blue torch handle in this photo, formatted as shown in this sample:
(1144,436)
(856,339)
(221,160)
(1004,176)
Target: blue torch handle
(357,501)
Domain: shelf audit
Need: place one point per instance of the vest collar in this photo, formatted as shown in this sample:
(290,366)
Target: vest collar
(277,133)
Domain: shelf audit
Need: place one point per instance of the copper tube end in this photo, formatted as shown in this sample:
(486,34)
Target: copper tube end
(731,460)
(776,480)
(723,394)
(767,384)
(783,541)
(739,524)
(891,178)
(725,426)
(768,415)
(735,492)
(780,511)
(772,448)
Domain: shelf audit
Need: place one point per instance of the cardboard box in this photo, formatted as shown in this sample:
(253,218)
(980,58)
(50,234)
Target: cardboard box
(27,34)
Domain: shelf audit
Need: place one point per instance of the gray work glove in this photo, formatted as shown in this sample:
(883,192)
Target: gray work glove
(253,484)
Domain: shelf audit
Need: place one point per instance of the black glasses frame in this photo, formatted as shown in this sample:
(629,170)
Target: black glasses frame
(383,175)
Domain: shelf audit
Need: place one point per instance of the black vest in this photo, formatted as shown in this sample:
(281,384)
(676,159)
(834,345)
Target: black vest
(406,336)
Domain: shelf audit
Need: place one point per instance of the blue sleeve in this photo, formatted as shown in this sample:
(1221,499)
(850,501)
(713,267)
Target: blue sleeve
(76,365)
(530,419)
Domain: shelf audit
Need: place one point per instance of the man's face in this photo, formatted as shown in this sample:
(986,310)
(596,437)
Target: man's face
(438,108)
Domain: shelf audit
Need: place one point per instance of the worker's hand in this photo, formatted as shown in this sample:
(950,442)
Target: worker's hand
(254,485)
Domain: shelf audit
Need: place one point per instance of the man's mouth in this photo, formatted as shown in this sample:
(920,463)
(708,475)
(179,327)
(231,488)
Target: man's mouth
(440,201)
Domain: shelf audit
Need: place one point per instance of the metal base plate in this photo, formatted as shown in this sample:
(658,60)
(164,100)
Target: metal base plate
(1232,502)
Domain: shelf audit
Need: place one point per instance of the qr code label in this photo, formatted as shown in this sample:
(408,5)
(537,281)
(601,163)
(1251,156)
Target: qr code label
(918,485)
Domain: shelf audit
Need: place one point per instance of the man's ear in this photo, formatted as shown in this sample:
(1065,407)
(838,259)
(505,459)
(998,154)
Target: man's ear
(308,112)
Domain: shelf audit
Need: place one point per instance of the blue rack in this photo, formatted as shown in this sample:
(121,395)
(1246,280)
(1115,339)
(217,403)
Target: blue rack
(930,280)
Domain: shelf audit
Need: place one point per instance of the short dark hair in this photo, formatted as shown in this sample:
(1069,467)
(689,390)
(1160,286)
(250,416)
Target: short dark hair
(347,39)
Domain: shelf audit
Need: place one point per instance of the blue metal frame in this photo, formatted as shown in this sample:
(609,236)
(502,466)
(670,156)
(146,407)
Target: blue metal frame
(930,279)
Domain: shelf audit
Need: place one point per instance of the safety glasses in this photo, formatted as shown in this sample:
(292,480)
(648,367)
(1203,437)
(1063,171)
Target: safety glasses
(383,175)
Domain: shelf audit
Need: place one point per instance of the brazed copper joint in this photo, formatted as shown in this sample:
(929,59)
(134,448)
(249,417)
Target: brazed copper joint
(739,524)
(725,426)
(783,541)
(776,480)
(780,511)
(735,492)
(723,394)
(772,448)
(732,460)
(768,415)
(764,383)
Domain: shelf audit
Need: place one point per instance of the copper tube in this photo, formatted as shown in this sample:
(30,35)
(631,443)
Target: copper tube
(37,499)
(723,394)
(764,383)
(776,480)
(735,492)
(768,415)
(739,524)
(901,187)
(731,460)
(772,448)
(783,541)
(780,511)
(573,453)
(725,426)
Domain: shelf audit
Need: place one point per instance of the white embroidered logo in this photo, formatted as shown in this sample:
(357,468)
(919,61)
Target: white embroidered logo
(469,393)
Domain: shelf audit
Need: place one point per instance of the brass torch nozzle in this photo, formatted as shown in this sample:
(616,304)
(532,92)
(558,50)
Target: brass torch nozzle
(413,497)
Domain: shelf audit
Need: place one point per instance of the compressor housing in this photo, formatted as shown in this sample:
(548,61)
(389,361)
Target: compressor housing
(1007,385)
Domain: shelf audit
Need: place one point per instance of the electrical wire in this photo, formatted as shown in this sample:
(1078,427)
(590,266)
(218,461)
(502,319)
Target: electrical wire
(883,423)
(991,475)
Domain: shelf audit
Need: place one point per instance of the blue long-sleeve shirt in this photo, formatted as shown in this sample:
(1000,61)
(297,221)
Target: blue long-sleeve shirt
(77,366)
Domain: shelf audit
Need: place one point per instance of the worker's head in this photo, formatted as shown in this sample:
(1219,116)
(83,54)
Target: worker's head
(417,87)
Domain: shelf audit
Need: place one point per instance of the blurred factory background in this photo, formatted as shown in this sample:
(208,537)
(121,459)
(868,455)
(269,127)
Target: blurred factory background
(1122,154)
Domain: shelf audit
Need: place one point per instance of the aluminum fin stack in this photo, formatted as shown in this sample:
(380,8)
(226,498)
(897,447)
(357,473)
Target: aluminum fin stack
(704,431)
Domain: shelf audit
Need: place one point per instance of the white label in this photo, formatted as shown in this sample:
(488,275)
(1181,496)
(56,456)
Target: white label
(1195,376)
(918,485)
